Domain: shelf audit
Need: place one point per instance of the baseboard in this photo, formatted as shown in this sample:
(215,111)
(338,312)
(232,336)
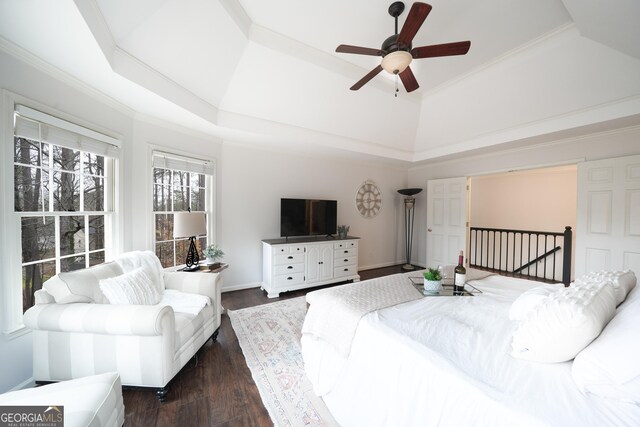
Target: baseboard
(386,264)
(241,287)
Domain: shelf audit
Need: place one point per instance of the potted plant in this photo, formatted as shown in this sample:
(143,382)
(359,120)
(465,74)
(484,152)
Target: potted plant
(432,281)
(342,231)
(212,253)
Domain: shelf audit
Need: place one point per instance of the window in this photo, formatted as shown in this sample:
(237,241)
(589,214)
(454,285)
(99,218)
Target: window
(63,192)
(179,184)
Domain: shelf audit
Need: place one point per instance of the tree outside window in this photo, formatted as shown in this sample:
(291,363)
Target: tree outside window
(59,193)
(175,191)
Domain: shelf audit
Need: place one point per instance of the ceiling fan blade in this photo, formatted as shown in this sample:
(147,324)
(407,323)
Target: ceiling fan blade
(447,49)
(416,17)
(409,80)
(345,48)
(366,78)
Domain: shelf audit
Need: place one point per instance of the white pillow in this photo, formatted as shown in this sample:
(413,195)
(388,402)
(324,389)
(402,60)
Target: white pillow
(609,366)
(564,323)
(623,281)
(134,287)
(81,285)
(528,300)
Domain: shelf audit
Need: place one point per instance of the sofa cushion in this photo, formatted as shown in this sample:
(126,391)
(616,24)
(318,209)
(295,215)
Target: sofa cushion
(81,285)
(134,287)
(187,325)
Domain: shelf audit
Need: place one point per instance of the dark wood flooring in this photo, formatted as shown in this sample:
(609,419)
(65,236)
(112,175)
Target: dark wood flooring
(215,388)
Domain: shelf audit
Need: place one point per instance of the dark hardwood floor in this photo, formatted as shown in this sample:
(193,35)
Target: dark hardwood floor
(215,388)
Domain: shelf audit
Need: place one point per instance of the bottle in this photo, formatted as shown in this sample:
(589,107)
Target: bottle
(460,276)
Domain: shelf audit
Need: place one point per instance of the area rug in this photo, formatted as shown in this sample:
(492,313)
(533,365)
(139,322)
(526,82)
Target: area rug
(269,336)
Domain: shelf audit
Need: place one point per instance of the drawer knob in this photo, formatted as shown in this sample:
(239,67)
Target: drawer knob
(290,267)
(289,257)
(346,252)
(346,260)
(289,278)
(346,269)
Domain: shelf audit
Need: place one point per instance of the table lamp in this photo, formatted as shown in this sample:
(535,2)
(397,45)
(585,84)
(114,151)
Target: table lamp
(190,224)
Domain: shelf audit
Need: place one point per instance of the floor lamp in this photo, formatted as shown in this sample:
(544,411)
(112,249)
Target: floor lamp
(190,224)
(409,212)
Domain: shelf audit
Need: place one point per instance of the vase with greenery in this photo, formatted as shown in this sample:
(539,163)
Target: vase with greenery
(212,253)
(342,231)
(432,281)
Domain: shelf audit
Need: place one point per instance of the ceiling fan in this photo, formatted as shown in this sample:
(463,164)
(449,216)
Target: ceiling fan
(396,50)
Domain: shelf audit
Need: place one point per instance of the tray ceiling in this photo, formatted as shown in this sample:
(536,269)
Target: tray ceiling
(268,71)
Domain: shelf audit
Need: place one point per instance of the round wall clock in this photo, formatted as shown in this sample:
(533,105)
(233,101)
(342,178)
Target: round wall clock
(368,199)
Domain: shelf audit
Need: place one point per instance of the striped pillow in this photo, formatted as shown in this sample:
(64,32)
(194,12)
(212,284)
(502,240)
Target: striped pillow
(81,285)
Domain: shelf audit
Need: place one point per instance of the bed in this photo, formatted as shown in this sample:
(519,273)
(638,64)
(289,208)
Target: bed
(447,361)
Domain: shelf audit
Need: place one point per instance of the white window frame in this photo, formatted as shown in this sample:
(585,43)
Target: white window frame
(174,159)
(10,221)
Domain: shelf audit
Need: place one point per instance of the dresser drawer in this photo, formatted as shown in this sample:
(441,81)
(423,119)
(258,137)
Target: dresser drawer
(348,270)
(351,260)
(284,259)
(289,279)
(345,252)
(288,268)
(288,249)
(346,244)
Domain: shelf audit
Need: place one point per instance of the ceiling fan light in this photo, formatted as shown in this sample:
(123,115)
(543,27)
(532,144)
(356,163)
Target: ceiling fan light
(396,62)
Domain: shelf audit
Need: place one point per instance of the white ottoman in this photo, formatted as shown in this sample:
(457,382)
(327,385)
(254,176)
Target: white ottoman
(90,401)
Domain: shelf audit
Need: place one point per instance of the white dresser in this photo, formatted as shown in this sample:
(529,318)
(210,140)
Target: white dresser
(288,265)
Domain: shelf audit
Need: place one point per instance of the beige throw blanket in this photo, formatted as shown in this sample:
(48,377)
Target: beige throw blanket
(334,313)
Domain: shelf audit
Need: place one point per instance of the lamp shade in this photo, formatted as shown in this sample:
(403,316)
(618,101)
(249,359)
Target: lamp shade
(396,62)
(189,224)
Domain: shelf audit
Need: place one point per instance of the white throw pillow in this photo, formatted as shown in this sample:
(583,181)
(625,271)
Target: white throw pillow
(148,260)
(528,300)
(134,287)
(623,281)
(609,366)
(564,323)
(81,285)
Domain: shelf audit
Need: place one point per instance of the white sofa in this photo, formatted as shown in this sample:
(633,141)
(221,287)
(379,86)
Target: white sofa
(77,332)
(94,401)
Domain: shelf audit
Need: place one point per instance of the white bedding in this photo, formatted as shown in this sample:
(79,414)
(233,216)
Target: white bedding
(445,361)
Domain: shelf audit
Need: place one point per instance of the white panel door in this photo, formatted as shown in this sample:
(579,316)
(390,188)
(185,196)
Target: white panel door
(608,215)
(446,220)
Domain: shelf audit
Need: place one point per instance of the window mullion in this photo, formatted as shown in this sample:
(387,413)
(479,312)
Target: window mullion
(86,241)
(81,179)
(56,239)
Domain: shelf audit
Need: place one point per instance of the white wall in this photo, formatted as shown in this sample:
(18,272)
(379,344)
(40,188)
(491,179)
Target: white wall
(536,199)
(254,180)
(622,142)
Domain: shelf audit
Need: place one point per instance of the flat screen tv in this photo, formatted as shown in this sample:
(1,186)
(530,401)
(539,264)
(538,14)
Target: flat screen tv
(308,217)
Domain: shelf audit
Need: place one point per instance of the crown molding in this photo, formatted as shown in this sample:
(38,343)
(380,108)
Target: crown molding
(62,76)
(618,109)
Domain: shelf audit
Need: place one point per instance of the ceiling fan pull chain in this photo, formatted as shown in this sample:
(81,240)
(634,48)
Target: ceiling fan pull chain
(396,94)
